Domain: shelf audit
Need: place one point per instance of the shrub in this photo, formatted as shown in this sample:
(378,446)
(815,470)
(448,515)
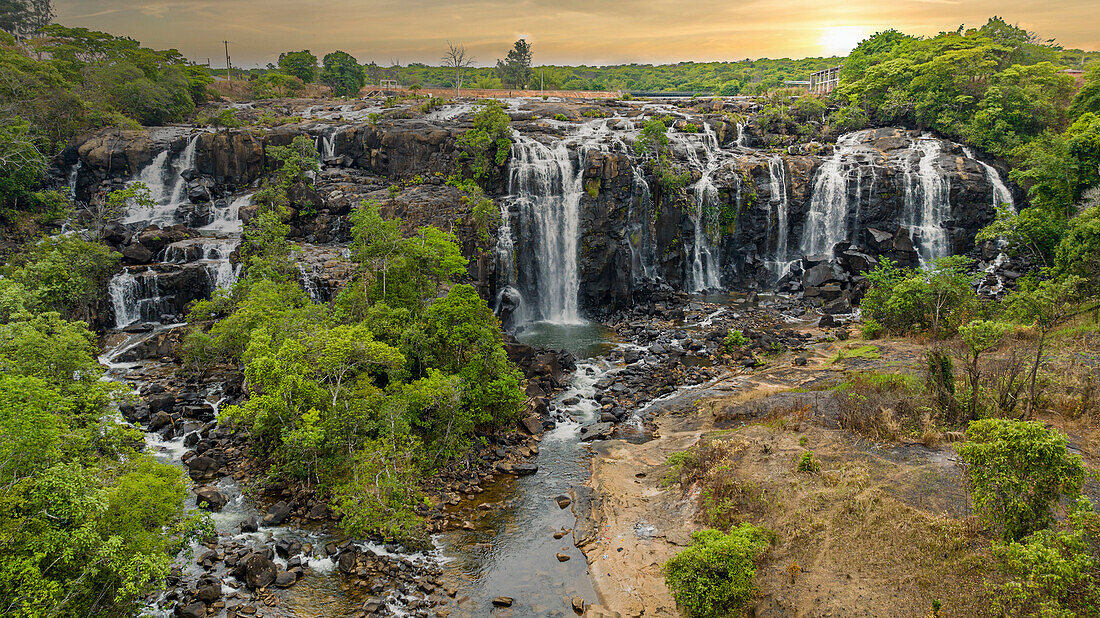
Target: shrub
(735,339)
(1019,471)
(713,576)
(1052,573)
(561,117)
(689,127)
(809,463)
(905,300)
(883,406)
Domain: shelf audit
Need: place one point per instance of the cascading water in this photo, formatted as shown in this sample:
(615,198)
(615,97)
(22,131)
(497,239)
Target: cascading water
(74,176)
(926,202)
(827,221)
(705,263)
(780,263)
(546,188)
(167,186)
(1001,195)
(136,297)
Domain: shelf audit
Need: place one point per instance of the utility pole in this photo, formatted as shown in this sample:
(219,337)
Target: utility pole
(228,75)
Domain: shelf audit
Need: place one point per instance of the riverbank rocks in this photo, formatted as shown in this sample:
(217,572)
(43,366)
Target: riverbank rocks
(596,431)
(211,497)
(259,571)
(276,514)
(523,469)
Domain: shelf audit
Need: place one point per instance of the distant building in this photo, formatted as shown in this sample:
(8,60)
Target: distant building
(825,80)
(1077,75)
(794,83)
(388,84)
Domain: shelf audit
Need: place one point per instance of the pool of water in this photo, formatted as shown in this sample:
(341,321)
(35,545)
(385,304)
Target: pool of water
(584,340)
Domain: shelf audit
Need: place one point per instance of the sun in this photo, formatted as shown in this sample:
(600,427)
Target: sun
(839,40)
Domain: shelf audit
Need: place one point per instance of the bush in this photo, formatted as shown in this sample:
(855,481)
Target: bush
(734,340)
(1052,573)
(884,406)
(487,144)
(809,463)
(713,576)
(906,300)
(1019,472)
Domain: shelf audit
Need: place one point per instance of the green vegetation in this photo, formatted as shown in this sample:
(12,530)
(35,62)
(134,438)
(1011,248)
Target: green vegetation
(300,64)
(735,340)
(487,145)
(938,299)
(515,70)
(89,524)
(1019,472)
(652,145)
(397,378)
(341,72)
(809,463)
(713,576)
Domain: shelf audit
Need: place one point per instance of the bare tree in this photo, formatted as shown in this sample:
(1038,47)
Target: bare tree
(457,59)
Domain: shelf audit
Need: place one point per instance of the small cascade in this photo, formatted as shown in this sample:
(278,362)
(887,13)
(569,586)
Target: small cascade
(828,219)
(926,202)
(740,135)
(167,186)
(212,253)
(780,263)
(643,250)
(309,283)
(546,188)
(994,284)
(228,220)
(136,296)
(1001,195)
(74,177)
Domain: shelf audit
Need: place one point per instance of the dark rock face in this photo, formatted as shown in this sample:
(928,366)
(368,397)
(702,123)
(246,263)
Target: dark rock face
(259,571)
(232,158)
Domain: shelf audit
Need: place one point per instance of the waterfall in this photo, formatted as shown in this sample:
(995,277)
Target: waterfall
(167,186)
(308,284)
(827,221)
(780,263)
(228,220)
(74,176)
(1001,195)
(926,202)
(740,135)
(546,190)
(135,297)
(643,251)
(705,264)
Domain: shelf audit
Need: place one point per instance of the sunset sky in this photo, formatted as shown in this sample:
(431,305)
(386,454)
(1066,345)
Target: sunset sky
(561,31)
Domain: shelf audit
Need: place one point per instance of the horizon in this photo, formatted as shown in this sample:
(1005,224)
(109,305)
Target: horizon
(597,33)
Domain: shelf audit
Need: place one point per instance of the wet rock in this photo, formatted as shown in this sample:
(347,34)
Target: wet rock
(503,601)
(159,421)
(563,557)
(523,469)
(276,514)
(286,579)
(209,591)
(211,496)
(252,524)
(563,501)
(259,571)
(202,467)
(193,610)
(578,604)
(596,431)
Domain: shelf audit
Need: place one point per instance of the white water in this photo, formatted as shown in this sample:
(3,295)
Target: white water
(167,187)
(705,260)
(74,176)
(1001,195)
(228,220)
(546,188)
(780,263)
(135,297)
(827,220)
(926,202)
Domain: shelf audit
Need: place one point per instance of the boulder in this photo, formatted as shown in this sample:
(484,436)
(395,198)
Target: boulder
(276,514)
(596,431)
(211,496)
(259,571)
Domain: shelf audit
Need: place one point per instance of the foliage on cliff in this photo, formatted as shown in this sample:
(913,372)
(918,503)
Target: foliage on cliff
(396,378)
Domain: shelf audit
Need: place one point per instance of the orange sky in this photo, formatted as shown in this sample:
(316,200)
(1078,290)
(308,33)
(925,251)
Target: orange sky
(561,31)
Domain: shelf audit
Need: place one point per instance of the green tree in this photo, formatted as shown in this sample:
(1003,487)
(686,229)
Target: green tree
(342,72)
(1078,253)
(487,144)
(515,70)
(1019,472)
(22,164)
(1046,304)
(300,64)
(66,274)
(978,336)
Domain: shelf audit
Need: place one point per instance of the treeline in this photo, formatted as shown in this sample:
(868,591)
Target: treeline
(64,81)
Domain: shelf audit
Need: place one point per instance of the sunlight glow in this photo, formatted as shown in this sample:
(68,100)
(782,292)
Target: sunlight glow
(839,40)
